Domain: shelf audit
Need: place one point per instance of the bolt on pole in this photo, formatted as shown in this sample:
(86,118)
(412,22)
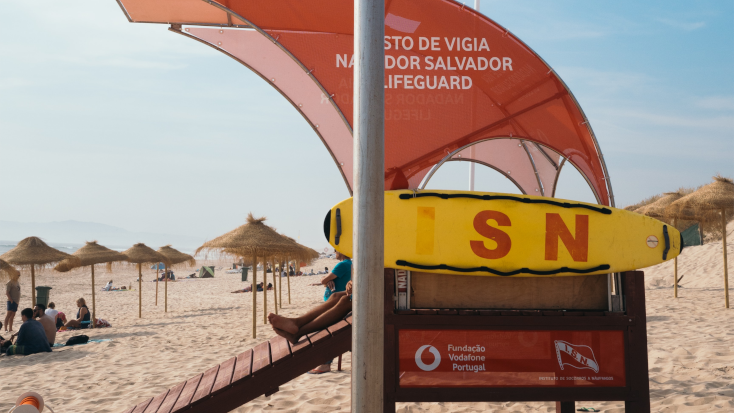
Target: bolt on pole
(369,186)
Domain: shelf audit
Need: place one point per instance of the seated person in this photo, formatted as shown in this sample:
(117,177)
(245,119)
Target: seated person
(31,337)
(323,315)
(48,323)
(53,313)
(108,287)
(82,315)
(60,320)
(312,273)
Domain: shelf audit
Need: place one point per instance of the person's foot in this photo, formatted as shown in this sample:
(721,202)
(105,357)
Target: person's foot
(283,323)
(288,336)
(324,368)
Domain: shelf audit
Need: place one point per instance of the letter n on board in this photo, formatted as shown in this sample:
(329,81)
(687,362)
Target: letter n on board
(425,233)
(577,246)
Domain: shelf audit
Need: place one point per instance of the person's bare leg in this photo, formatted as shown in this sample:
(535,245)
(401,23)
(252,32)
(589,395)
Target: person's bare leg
(291,325)
(331,316)
(73,324)
(10,319)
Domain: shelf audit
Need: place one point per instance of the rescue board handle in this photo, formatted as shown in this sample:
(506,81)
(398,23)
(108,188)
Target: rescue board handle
(667,242)
(338,226)
(605,211)
(403,263)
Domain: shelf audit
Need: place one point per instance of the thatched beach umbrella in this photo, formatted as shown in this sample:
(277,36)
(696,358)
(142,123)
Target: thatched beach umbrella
(7,271)
(90,255)
(717,196)
(141,254)
(254,239)
(175,257)
(32,252)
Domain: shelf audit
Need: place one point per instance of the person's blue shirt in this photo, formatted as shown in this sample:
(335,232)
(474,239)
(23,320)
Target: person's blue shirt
(343,272)
(33,338)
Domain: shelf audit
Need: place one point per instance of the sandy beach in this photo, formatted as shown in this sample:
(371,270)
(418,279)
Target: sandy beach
(690,343)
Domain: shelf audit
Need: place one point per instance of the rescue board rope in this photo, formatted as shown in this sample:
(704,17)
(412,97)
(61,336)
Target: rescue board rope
(605,211)
(404,263)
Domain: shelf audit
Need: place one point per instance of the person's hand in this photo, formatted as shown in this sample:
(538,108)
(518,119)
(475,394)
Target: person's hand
(330,285)
(324,281)
(349,287)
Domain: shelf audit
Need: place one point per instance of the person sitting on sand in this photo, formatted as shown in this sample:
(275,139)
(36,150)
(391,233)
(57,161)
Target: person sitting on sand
(53,313)
(31,337)
(108,286)
(82,315)
(323,315)
(48,323)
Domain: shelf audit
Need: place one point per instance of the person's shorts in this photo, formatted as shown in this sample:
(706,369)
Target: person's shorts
(12,306)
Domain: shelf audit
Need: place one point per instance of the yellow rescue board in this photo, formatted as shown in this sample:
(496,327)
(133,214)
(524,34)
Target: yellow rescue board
(493,234)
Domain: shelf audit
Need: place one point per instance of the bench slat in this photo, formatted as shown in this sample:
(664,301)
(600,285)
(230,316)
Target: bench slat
(140,408)
(184,400)
(224,377)
(319,336)
(301,345)
(156,403)
(261,357)
(243,367)
(338,327)
(279,349)
(171,398)
(205,387)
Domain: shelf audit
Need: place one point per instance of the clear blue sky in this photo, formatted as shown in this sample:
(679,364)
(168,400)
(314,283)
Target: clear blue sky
(133,126)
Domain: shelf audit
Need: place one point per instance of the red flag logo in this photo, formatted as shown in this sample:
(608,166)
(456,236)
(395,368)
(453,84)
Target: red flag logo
(576,356)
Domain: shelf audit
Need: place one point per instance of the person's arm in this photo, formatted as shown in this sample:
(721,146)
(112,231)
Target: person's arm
(21,336)
(7,292)
(328,280)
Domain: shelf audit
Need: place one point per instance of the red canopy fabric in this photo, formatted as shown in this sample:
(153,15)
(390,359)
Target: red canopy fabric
(454,79)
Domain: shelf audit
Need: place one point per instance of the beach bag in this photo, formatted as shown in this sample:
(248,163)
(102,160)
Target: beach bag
(82,339)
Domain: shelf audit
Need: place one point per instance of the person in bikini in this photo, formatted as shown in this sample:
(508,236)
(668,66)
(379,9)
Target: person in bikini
(332,310)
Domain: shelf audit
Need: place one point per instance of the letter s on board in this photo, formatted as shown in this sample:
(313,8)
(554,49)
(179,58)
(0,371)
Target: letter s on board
(500,237)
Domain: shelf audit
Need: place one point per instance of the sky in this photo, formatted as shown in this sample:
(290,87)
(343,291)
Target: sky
(130,125)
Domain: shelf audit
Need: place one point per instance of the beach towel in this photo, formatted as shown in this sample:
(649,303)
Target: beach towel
(96,340)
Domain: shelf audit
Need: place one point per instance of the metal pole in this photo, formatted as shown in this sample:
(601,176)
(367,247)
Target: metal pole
(254,296)
(166,287)
(369,204)
(140,290)
(265,290)
(476,4)
(471,169)
(726,272)
(94,303)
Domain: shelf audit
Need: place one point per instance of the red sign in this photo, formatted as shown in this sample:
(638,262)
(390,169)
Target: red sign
(512,358)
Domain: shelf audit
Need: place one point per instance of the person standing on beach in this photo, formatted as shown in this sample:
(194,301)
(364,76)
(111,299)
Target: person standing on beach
(12,290)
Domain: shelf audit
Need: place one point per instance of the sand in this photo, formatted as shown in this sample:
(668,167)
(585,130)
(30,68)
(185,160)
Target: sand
(691,344)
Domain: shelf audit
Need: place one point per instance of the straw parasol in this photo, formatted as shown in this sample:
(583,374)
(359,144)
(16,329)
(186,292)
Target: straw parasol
(175,257)
(32,252)
(8,271)
(141,254)
(716,196)
(90,255)
(254,239)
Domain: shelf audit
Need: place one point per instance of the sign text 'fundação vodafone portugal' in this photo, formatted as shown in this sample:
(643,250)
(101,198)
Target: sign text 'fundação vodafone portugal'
(473,358)
(490,234)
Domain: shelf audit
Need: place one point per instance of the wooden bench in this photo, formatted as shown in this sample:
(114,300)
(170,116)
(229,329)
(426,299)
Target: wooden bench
(230,384)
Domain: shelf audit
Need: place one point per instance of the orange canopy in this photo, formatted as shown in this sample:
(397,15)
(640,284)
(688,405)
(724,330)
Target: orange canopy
(458,86)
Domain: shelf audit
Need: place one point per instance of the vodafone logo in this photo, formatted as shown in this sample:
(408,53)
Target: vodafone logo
(427,367)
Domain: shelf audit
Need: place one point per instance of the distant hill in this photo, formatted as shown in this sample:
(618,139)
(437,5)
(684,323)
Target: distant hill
(77,232)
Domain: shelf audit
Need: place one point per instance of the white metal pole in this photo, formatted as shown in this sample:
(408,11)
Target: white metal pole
(368,218)
(476,4)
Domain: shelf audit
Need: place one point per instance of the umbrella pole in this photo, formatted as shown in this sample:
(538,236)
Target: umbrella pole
(288,272)
(94,302)
(33,285)
(156,284)
(265,290)
(254,296)
(280,287)
(140,290)
(675,270)
(723,241)
(165,292)
(275,289)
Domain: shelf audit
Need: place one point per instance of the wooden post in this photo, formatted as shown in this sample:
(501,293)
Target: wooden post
(275,289)
(723,243)
(280,287)
(140,290)
(94,303)
(165,292)
(156,283)
(254,296)
(369,204)
(33,285)
(675,269)
(288,274)
(265,290)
